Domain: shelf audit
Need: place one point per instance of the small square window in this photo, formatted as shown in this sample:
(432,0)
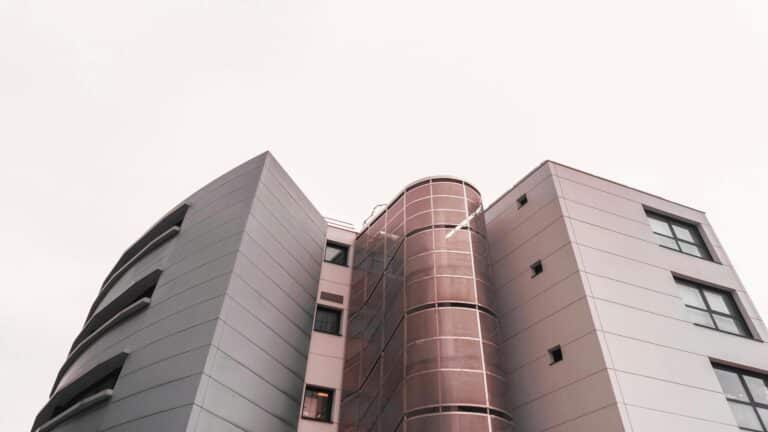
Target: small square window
(328,320)
(318,402)
(336,253)
(537,268)
(555,355)
(522,200)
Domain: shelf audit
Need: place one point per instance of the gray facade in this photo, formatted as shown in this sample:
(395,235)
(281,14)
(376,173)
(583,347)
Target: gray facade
(222,341)
(592,315)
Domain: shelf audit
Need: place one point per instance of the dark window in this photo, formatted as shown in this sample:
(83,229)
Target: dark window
(317,404)
(536,269)
(555,355)
(747,395)
(713,308)
(680,236)
(328,320)
(336,253)
(523,200)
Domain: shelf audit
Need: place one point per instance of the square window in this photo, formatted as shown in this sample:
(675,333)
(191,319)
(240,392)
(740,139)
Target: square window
(328,320)
(537,268)
(336,253)
(711,307)
(522,200)
(678,235)
(318,402)
(555,355)
(746,394)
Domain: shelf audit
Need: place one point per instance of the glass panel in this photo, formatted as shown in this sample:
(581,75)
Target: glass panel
(763,415)
(717,301)
(745,416)
(691,249)
(699,317)
(758,389)
(731,385)
(660,226)
(328,320)
(336,254)
(684,233)
(317,404)
(691,296)
(726,324)
(666,242)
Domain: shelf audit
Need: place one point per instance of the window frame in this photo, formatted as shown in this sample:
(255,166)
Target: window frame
(337,245)
(670,221)
(339,313)
(315,388)
(741,373)
(730,303)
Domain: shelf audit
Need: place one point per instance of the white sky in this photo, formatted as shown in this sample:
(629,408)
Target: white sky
(111,112)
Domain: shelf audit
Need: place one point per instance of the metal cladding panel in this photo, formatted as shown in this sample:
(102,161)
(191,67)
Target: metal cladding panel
(250,226)
(269,310)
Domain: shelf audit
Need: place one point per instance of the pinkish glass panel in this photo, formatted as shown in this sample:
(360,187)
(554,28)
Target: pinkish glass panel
(455,422)
(421,356)
(421,325)
(417,193)
(419,243)
(419,267)
(460,354)
(452,239)
(490,327)
(421,390)
(427,423)
(492,359)
(459,322)
(449,217)
(453,263)
(455,289)
(419,206)
(447,188)
(462,388)
(420,292)
(418,221)
(496,391)
(449,203)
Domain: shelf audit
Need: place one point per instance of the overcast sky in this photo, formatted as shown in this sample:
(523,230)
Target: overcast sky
(111,112)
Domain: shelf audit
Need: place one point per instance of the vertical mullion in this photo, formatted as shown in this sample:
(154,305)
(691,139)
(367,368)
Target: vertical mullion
(751,399)
(709,308)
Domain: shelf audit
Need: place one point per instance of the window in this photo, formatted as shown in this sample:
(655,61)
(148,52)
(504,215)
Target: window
(523,200)
(747,395)
(680,236)
(317,404)
(712,308)
(555,355)
(328,320)
(336,253)
(536,269)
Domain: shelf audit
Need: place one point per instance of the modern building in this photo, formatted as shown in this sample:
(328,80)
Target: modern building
(570,304)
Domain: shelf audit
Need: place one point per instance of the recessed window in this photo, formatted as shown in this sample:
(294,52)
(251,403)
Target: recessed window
(747,395)
(336,253)
(713,308)
(522,200)
(678,235)
(536,269)
(555,355)
(328,320)
(318,402)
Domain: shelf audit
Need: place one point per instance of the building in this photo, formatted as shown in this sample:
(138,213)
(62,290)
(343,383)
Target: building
(571,303)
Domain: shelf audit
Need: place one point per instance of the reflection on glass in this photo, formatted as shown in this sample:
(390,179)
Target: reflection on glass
(731,385)
(758,389)
(666,241)
(683,233)
(727,324)
(691,296)
(699,317)
(660,226)
(691,249)
(745,416)
(717,302)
